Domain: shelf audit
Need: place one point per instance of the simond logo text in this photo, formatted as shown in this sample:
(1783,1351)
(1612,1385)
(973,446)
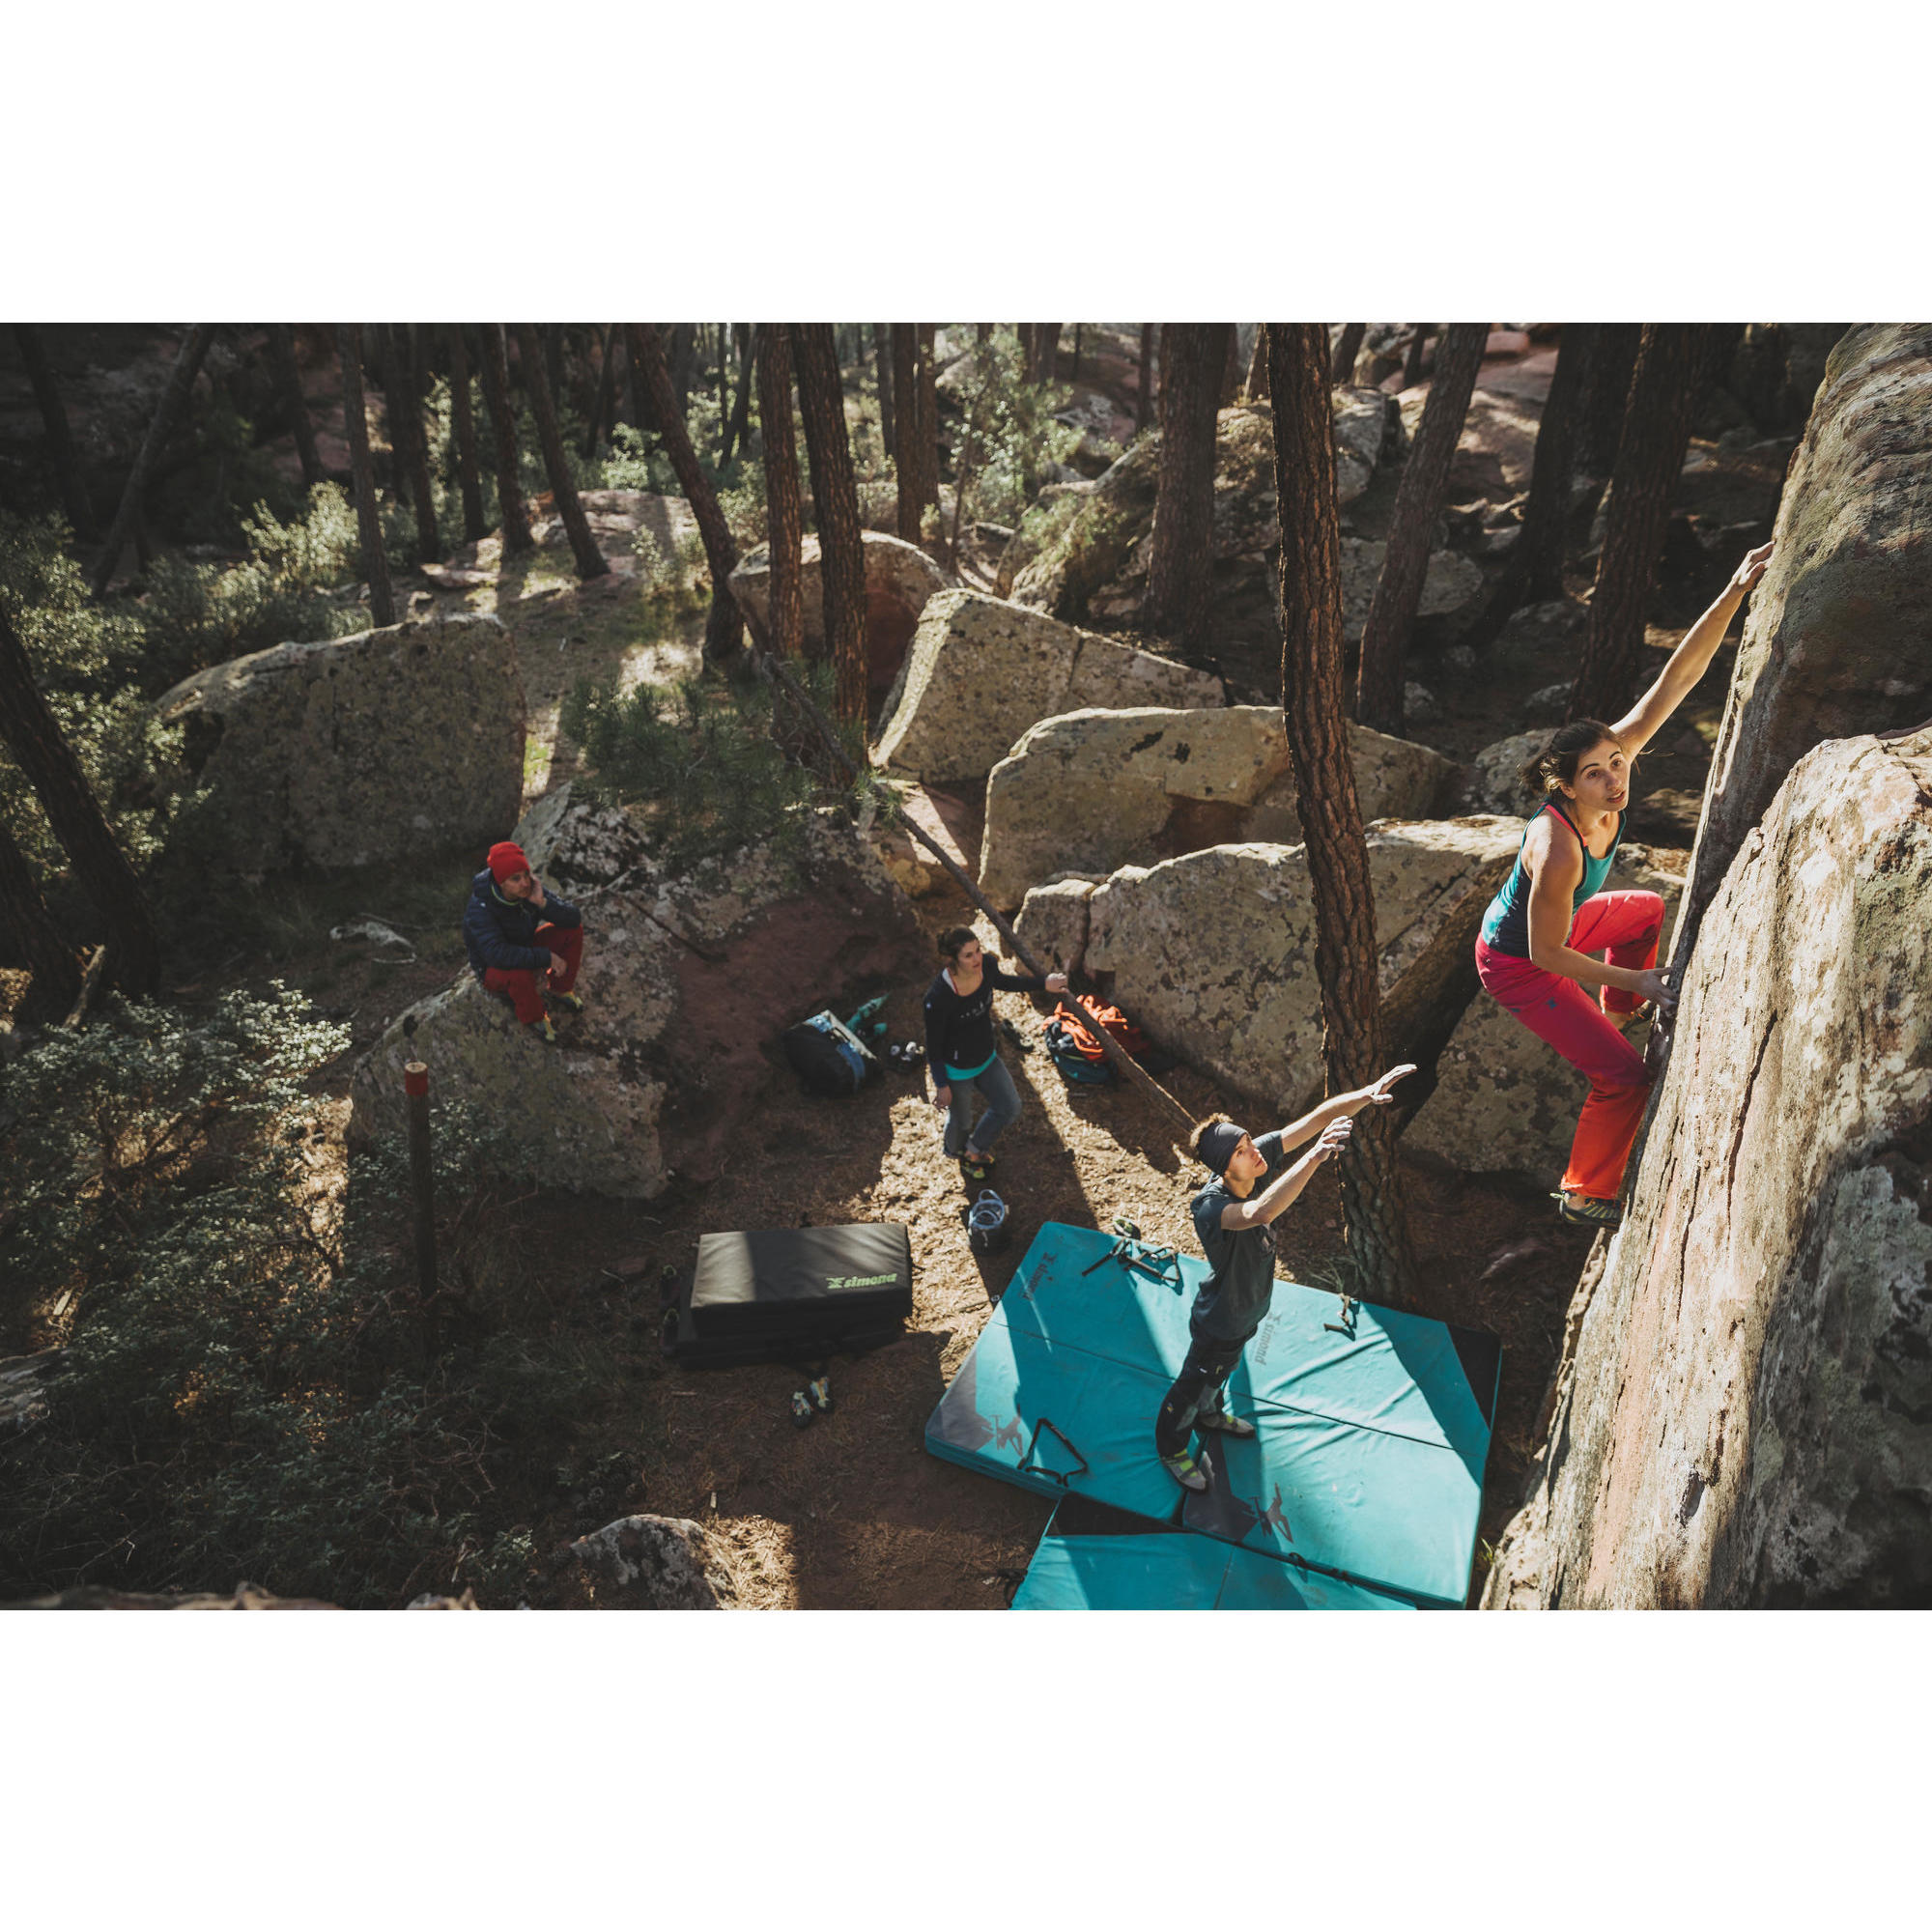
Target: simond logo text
(859,1280)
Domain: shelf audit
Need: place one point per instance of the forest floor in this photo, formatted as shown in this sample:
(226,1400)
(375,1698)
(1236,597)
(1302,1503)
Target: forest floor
(851,1512)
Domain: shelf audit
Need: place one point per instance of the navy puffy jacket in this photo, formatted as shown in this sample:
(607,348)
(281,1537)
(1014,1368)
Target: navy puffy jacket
(501,932)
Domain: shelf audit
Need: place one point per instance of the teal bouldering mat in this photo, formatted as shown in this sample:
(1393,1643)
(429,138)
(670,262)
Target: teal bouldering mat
(1095,1558)
(1373,1432)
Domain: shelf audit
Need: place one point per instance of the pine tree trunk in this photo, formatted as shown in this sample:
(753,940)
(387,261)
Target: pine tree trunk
(495,364)
(1077,327)
(550,337)
(556,461)
(725,625)
(45,758)
(1546,516)
(60,440)
(55,969)
(906,447)
(1258,366)
(168,412)
(1144,402)
(738,431)
(413,436)
(1650,459)
(1412,362)
(1607,395)
(463,420)
(1418,502)
(928,423)
(1343,368)
(835,496)
(683,352)
(1231,369)
(287,379)
(606,391)
(882,349)
(1180,569)
(362,475)
(1042,350)
(782,508)
(1338,858)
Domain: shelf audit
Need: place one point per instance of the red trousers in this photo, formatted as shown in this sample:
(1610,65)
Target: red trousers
(525,988)
(1569,1017)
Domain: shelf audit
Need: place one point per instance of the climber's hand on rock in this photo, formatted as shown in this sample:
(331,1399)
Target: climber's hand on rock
(1744,580)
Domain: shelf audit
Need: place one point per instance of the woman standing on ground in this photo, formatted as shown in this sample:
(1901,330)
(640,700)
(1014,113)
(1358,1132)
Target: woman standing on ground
(959,1046)
(1543,932)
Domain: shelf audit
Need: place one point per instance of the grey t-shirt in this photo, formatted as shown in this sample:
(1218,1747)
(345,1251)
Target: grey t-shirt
(1231,1302)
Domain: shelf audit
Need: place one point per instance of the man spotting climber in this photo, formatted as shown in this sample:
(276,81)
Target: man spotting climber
(525,943)
(1234,1216)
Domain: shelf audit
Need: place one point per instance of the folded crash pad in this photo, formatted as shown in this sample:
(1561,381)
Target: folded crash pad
(1369,1458)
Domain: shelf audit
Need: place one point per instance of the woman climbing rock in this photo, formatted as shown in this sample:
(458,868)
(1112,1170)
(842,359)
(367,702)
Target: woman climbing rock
(959,1045)
(1543,933)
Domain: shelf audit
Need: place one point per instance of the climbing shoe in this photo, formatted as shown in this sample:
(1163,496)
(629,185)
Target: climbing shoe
(542,1030)
(1588,1211)
(569,1003)
(1226,1424)
(975,1167)
(1186,1470)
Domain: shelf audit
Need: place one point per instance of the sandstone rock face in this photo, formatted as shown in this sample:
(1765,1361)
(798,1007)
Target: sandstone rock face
(1450,583)
(685,980)
(1504,1101)
(899,579)
(1093,790)
(1213,953)
(1052,925)
(981,672)
(1745,1421)
(355,751)
(1838,639)
(655,1563)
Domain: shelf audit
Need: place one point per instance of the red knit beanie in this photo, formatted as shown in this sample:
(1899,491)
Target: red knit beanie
(506,860)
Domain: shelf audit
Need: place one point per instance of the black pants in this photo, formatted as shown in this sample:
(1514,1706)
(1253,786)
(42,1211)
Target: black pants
(1196,1390)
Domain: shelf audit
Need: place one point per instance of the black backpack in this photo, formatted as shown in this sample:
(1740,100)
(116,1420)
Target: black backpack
(827,1055)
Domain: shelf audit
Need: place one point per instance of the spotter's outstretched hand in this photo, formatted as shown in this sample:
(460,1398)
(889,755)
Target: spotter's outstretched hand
(1382,1094)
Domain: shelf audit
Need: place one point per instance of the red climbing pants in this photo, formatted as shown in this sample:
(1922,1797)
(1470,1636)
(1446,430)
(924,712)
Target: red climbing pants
(525,988)
(1568,1016)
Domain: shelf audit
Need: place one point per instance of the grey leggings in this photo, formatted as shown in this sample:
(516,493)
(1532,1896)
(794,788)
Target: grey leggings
(1003,1108)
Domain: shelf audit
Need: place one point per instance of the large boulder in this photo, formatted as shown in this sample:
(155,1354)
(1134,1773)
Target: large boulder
(653,1563)
(899,580)
(1053,922)
(981,672)
(1213,953)
(687,982)
(1503,1101)
(1097,789)
(1449,583)
(1838,640)
(353,751)
(1746,1417)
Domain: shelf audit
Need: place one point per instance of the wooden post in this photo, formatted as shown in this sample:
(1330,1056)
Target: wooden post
(422,1177)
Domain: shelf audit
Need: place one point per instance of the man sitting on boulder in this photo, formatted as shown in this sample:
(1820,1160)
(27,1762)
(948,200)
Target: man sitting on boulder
(525,943)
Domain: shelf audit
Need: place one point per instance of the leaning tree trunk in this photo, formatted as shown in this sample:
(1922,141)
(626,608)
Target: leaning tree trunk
(1342,369)
(517,537)
(56,972)
(683,352)
(362,476)
(834,493)
(725,626)
(1650,459)
(411,438)
(34,737)
(174,399)
(1144,400)
(468,479)
(60,440)
(1258,366)
(782,508)
(287,379)
(906,447)
(1180,569)
(1353,1046)
(1607,395)
(1546,516)
(882,351)
(1418,502)
(563,486)
(738,431)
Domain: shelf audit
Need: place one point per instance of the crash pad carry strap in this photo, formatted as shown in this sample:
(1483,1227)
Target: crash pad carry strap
(1033,1443)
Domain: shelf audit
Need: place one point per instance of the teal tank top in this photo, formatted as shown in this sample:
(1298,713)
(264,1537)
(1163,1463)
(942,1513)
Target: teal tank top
(1506,924)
